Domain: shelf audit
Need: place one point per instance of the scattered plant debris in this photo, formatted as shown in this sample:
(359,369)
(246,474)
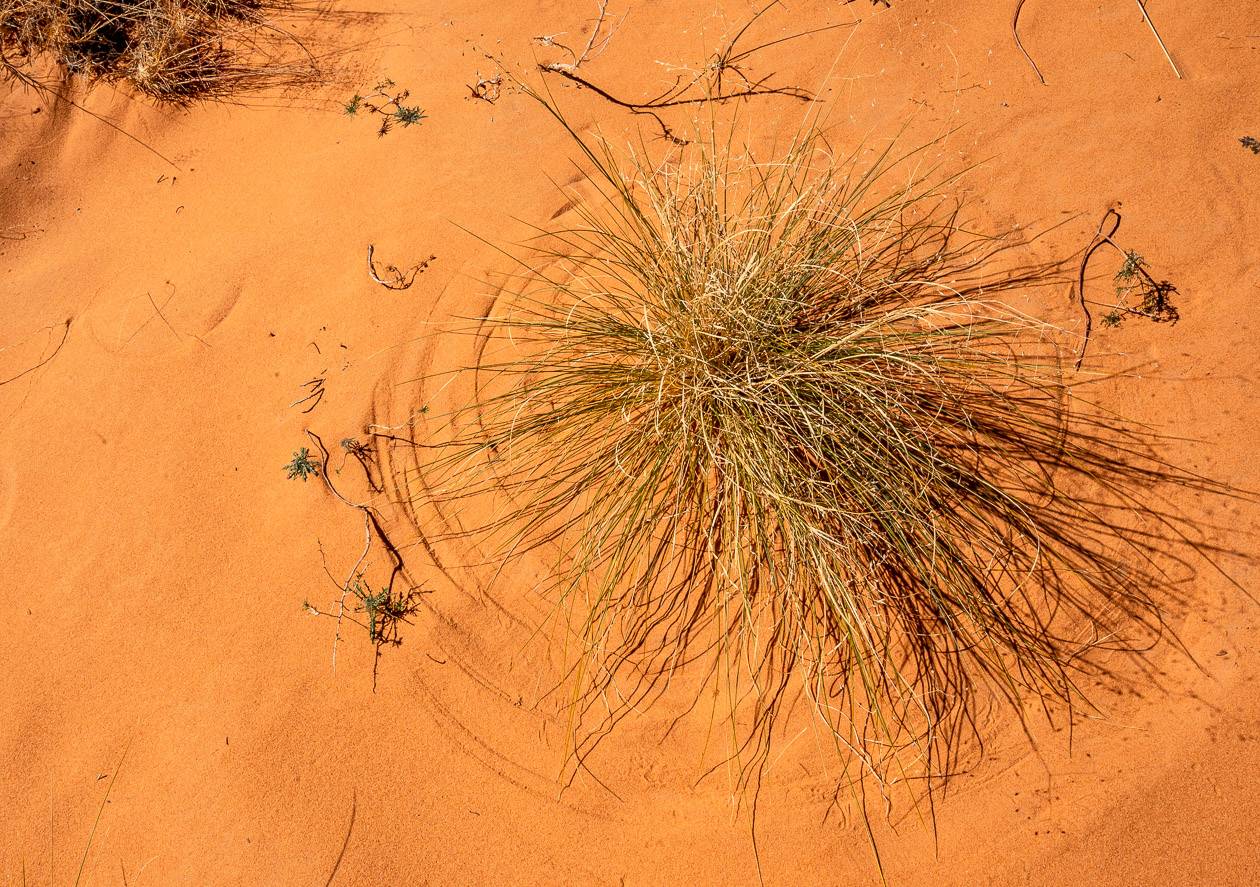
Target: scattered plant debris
(487,90)
(386,101)
(595,44)
(1019,6)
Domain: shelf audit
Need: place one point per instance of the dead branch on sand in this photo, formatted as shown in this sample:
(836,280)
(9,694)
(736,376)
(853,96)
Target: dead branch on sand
(705,87)
(385,609)
(315,393)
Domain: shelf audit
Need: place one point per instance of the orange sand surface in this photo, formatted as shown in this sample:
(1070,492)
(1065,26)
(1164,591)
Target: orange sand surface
(155,559)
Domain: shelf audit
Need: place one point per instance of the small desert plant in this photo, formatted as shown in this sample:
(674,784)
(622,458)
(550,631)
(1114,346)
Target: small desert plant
(1154,300)
(386,101)
(175,51)
(385,610)
(772,425)
(1251,143)
(302,466)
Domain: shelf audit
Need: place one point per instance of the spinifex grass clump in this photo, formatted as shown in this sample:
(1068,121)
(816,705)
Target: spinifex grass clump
(774,427)
(174,51)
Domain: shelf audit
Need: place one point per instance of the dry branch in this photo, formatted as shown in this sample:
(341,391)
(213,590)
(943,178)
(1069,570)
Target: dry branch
(708,82)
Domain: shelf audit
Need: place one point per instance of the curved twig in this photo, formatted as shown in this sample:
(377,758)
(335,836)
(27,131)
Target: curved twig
(1019,6)
(370,511)
(1098,240)
(354,806)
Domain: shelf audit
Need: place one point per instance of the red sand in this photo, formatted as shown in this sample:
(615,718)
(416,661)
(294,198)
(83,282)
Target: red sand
(155,558)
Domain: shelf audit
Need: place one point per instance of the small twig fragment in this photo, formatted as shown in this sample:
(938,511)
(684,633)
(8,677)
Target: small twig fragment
(401,280)
(315,393)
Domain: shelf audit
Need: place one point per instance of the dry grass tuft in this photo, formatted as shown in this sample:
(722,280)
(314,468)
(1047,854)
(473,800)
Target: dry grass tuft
(174,51)
(776,428)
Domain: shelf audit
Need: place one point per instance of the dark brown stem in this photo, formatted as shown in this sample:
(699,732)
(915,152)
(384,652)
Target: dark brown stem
(372,516)
(1098,240)
(1019,6)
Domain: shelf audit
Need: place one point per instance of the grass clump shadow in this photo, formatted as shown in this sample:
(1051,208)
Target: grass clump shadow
(774,425)
(173,51)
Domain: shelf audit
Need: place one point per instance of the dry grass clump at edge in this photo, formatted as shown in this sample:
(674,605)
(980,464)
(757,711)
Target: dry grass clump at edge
(174,51)
(773,425)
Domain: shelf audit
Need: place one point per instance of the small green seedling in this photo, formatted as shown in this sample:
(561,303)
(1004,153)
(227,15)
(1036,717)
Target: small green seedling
(387,102)
(302,466)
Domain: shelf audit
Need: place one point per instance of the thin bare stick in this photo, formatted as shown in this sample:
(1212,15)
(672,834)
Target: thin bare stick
(28,370)
(354,806)
(100,810)
(1019,6)
(599,24)
(791,91)
(345,586)
(1150,24)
